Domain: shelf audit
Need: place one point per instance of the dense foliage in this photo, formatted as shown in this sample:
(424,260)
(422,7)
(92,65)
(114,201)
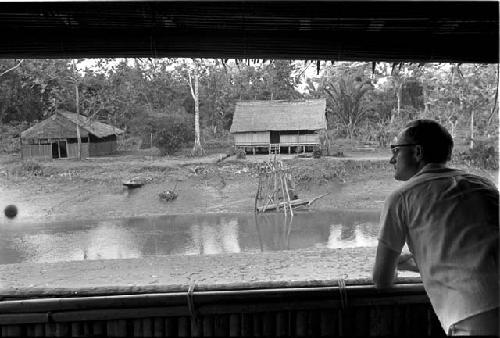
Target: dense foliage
(172,133)
(367,102)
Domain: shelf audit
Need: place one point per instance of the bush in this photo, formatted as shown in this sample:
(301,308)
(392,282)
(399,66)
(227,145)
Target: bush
(129,143)
(241,154)
(317,152)
(173,135)
(9,137)
(483,155)
(217,146)
(28,168)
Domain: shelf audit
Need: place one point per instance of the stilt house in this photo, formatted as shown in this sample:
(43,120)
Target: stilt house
(55,137)
(278,125)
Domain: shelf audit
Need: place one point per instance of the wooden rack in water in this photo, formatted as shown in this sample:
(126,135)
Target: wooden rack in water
(276,189)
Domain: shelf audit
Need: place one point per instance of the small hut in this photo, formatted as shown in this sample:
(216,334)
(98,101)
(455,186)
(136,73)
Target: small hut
(55,137)
(278,124)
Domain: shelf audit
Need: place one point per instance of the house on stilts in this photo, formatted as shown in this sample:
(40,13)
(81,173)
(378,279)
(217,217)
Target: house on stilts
(56,137)
(278,126)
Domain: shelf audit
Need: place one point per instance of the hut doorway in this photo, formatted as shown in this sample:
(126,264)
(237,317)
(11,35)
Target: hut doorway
(59,149)
(275,137)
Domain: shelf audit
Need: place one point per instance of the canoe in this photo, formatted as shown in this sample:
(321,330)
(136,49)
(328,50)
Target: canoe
(133,184)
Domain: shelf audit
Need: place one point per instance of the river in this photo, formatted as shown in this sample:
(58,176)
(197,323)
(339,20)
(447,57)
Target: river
(189,234)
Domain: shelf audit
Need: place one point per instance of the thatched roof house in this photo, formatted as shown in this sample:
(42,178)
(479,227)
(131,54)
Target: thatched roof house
(278,123)
(55,137)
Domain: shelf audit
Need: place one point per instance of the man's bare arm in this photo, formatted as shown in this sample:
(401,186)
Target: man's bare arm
(384,270)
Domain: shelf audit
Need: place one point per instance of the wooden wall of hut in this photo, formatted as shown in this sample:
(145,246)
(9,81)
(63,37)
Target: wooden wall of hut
(102,148)
(36,151)
(318,312)
(300,139)
(72,149)
(44,151)
(252,138)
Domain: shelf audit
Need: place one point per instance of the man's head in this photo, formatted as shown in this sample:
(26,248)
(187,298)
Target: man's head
(419,143)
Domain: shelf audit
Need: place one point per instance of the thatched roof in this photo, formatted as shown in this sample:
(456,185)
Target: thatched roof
(62,125)
(279,115)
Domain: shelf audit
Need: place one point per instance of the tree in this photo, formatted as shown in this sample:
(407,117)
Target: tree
(74,80)
(193,80)
(32,89)
(346,92)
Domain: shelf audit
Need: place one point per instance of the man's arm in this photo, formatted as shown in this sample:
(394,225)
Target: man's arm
(384,270)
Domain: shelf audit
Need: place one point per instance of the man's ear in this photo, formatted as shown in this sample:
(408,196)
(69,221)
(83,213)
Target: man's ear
(419,152)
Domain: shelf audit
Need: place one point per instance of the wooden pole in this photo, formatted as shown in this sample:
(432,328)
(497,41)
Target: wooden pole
(79,142)
(282,191)
(288,195)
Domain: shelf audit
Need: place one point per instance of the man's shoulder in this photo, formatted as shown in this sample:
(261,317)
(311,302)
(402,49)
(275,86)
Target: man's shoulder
(428,179)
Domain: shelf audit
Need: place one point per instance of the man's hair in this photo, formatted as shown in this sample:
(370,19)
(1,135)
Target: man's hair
(435,140)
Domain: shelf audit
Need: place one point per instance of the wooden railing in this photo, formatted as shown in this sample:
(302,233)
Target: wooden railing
(314,311)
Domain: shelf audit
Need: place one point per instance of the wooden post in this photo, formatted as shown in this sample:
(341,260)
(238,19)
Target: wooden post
(289,150)
(77,96)
(253,150)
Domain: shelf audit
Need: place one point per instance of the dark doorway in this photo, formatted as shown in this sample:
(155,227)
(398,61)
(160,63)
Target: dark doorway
(55,150)
(59,149)
(275,137)
(62,149)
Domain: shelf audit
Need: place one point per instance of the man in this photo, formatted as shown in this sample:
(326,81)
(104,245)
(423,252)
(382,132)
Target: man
(449,219)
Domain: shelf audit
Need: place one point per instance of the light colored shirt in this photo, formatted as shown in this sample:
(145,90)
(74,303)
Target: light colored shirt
(449,219)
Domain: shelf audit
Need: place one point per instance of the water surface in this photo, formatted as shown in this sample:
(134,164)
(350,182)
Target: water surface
(191,234)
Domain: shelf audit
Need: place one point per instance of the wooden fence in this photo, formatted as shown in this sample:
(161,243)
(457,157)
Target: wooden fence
(298,312)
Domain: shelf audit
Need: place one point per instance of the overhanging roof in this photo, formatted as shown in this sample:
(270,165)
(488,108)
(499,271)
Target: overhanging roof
(62,125)
(251,116)
(411,31)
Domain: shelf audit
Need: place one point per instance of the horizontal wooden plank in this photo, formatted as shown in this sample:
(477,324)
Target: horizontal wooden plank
(113,314)
(24,318)
(209,297)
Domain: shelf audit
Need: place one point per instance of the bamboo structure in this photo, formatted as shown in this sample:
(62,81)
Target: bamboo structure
(276,190)
(273,189)
(331,311)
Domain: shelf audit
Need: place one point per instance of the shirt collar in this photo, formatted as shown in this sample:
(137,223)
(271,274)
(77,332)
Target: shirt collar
(432,168)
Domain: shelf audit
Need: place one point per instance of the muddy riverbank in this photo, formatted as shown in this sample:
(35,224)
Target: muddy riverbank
(92,189)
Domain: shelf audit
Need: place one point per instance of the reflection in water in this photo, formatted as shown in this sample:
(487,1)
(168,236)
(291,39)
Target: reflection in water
(347,231)
(110,241)
(273,231)
(356,236)
(106,241)
(186,235)
(215,238)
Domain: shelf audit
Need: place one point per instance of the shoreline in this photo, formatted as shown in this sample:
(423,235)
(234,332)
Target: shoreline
(94,192)
(297,268)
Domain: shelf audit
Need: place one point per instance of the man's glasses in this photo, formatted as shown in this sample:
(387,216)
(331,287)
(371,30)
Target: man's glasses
(395,147)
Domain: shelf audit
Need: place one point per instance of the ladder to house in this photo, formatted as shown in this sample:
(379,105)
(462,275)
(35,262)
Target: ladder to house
(274,148)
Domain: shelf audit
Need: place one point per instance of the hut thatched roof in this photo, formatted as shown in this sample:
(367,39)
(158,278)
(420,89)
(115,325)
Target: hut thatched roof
(279,115)
(62,125)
